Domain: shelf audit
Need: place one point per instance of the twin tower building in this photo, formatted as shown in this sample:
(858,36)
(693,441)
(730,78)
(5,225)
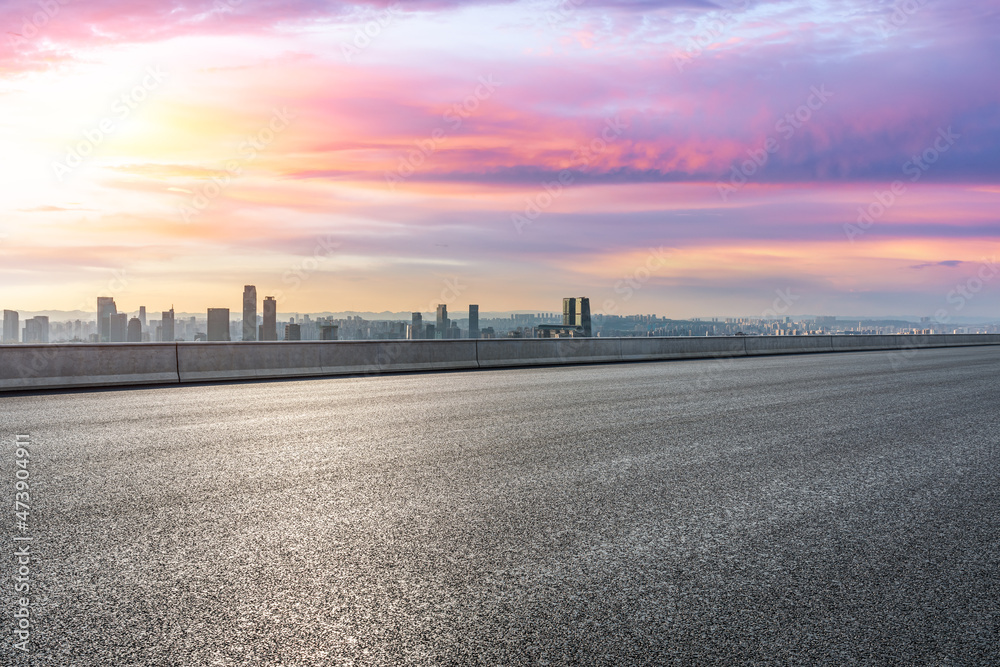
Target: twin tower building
(267,331)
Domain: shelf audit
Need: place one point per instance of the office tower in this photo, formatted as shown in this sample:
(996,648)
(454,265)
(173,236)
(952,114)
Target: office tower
(36,330)
(11,326)
(473,321)
(117,327)
(584,309)
(416,326)
(453,332)
(576,313)
(142,319)
(329,332)
(293,331)
(430,332)
(569,312)
(249,312)
(167,326)
(218,324)
(105,309)
(441,328)
(270,331)
(134,333)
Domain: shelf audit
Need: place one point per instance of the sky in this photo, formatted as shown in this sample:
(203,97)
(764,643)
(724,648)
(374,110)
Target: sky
(679,157)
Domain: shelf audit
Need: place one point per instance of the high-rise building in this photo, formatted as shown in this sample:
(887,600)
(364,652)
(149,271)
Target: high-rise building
(118,327)
(430,332)
(11,326)
(36,330)
(167,326)
(142,319)
(134,334)
(249,312)
(576,313)
(105,309)
(293,331)
(473,321)
(441,328)
(270,331)
(328,332)
(218,324)
(416,326)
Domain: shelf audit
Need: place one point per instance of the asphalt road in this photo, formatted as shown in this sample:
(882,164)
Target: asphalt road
(836,509)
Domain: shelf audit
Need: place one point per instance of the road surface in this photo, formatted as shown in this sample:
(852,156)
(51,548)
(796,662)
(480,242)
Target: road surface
(836,508)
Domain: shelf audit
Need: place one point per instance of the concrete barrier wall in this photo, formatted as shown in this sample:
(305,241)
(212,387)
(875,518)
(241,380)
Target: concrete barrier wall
(27,367)
(759,345)
(650,349)
(499,352)
(97,365)
(861,343)
(426,355)
(199,362)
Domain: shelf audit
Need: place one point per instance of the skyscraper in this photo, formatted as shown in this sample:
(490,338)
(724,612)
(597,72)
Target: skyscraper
(441,328)
(584,303)
(218,324)
(576,313)
(117,327)
(105,309)
(270,319)
(473,321)
(36,329)
(11,326)
(293,331)
(142,319)
(167,326)
(417,326)
(249,312)
(134,334)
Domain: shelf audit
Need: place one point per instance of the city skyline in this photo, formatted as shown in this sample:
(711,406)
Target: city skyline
(661,156)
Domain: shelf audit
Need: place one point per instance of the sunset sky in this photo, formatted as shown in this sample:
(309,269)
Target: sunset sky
(685,158)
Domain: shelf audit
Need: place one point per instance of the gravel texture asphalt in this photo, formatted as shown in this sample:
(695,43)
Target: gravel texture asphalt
(820,509)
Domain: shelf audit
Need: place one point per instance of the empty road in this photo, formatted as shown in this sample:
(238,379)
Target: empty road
(835,508)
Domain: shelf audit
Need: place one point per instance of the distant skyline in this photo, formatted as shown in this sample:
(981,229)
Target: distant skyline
(675,157)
